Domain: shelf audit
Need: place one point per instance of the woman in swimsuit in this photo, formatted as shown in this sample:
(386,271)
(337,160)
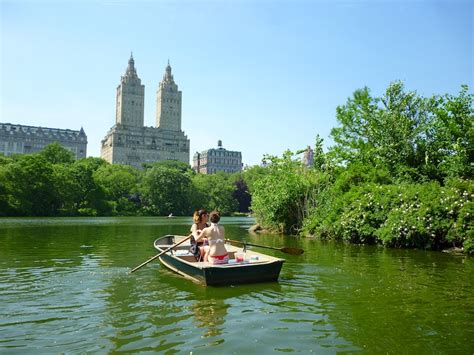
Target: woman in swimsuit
(200,222)
(216,253)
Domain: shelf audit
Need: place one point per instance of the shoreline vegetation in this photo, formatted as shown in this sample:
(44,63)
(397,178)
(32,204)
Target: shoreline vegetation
(399,174)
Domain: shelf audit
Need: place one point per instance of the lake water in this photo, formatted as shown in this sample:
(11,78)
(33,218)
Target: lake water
(65,286)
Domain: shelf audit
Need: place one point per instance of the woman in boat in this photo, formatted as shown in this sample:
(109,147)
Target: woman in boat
(216,253)
(200,218)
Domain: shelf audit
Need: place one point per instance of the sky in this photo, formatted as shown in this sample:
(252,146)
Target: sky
(262,76)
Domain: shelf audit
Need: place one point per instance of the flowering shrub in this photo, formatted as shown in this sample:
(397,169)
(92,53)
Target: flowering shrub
(429,216)
(408,215)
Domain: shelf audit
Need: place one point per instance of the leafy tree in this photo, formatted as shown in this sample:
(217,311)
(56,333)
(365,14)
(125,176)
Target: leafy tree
(167,190)
(452,136)
(29,182)
(319,158)
(90,198)
(252,174)
(389,131)
(55,153)
(117,180)
(120,184)
(241,195)
(279,201)
(67,187)
(170,164)
(215,192)
(5,209)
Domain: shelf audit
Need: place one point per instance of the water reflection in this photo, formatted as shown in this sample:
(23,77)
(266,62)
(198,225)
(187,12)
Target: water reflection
(210,315)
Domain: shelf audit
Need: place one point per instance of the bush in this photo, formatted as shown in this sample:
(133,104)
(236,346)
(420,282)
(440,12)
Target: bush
(410,215)
(429,216)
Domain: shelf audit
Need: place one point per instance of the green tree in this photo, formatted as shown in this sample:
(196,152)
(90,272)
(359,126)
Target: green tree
(120,183)
(452,136)
(90,198)
(30,185)
(252,174)
(167,190)
(55,153)
(280,199)
(5,209)
(170,164)
(67,187)
(390,131)
(215,192)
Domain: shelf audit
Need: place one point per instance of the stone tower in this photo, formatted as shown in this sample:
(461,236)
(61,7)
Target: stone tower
(130,102)
(129,141)
(168,103)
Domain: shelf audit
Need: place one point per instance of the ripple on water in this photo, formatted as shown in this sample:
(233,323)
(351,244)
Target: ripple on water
(69,290)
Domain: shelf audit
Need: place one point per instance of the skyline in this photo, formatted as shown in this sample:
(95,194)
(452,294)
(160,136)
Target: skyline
(262,77)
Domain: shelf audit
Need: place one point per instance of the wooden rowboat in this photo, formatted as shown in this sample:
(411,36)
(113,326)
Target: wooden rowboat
(257,267)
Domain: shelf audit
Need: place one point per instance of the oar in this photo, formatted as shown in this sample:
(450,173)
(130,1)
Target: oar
(287,250)
(160,254)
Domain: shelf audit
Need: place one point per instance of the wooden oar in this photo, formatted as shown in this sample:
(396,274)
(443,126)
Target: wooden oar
(287,250)
(160,254)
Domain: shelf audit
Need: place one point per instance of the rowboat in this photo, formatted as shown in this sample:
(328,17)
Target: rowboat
(255,267)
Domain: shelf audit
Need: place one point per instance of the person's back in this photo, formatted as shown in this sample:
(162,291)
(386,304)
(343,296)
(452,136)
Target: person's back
(217,253)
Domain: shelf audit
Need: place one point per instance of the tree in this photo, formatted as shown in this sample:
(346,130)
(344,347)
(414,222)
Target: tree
(452,137)
(90,198)
(279,201)
(120,184)
(30,185)
(167,190)
(117,180)
(216,192)
(241,195)
(389,131)
(170,164)
(55,153)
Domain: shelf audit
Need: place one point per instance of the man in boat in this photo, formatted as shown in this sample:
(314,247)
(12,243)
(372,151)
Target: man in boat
(215,253)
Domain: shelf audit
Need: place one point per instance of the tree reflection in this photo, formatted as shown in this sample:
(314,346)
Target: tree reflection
(210,315)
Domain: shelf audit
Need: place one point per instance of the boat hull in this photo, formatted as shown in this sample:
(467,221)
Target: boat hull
(220,275)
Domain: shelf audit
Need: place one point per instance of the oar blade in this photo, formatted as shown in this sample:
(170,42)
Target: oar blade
(292,251)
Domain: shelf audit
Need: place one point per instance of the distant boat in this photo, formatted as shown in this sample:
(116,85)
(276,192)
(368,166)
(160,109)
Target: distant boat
(171,215)
(255,267)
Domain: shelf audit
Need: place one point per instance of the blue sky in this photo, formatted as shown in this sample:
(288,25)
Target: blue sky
(262,76)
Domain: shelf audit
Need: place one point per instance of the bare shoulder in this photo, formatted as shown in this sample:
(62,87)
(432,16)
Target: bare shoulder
(206,230)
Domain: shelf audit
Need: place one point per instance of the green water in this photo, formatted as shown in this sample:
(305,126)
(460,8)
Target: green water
(65,287)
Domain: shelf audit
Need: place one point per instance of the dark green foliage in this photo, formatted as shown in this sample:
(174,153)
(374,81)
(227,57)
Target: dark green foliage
(242,195)
(119,183)
(29,186)
(215,192)
(55,153)
(166,190)
(90,197)
(281,195)
(50,184)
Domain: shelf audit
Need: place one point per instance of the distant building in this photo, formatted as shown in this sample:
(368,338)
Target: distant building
(214,160)
(129,142)
(308,157)
(19,139)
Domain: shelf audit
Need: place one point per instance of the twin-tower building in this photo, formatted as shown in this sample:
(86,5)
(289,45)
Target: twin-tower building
(129,141)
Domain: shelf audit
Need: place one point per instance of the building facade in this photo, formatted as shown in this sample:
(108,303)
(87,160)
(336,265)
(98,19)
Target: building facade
(19,139)
(129,142)
(214,160)
(308,157)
